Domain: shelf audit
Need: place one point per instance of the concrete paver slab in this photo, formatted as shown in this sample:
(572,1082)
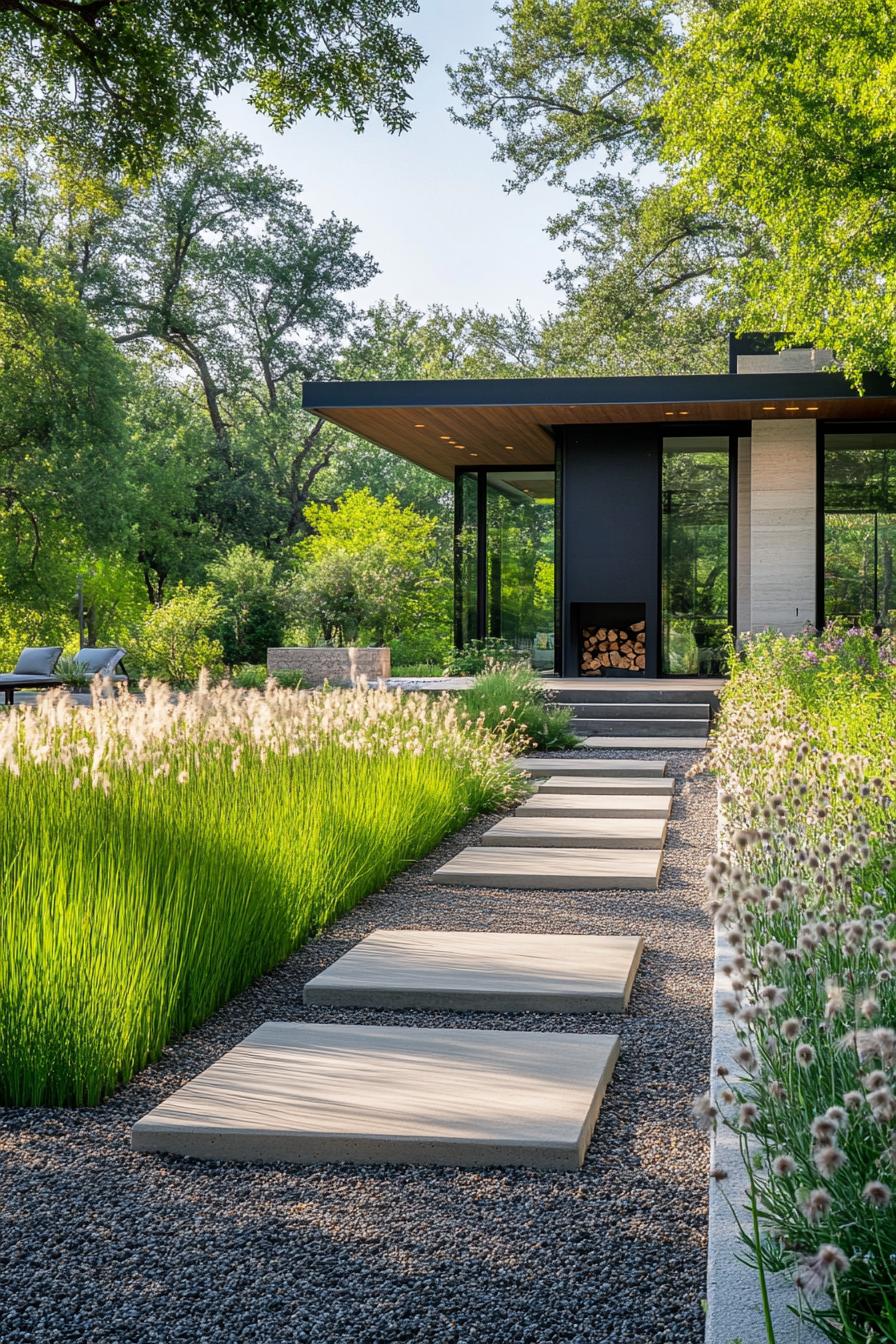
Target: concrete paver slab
(547,784)
(485,972)
(307,1092)
(560,765)
(544,804)
(550,869)
(647,743)
(581,832)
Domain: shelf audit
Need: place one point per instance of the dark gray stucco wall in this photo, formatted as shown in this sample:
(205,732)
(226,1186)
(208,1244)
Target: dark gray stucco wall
(609,545)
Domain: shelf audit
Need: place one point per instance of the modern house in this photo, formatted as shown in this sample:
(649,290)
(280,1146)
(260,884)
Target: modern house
(618,526)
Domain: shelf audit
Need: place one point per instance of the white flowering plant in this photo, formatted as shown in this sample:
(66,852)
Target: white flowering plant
(804,889)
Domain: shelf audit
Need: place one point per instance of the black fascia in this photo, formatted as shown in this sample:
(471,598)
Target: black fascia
(626,391)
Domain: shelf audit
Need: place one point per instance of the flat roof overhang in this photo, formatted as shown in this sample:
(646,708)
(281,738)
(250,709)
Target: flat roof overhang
(445,424)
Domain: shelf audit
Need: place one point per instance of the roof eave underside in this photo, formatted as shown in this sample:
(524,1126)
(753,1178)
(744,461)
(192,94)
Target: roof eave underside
(491,422)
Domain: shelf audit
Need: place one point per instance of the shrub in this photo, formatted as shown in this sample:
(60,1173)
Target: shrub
(417,670)
(420,650)
(159,854)
(478,654)
(253,606)
(805,887)
(174,642)
(515,697)
(251,676)
(290,678)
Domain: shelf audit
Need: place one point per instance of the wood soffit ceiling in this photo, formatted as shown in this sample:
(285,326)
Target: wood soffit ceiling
(444,437)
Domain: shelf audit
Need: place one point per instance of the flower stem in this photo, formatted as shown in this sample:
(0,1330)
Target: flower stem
(757,1245)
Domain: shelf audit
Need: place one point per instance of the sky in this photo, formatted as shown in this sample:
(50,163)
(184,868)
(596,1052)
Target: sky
(430,203)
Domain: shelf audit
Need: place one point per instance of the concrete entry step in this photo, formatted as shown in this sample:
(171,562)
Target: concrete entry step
(581,832)
(636,690)
(484,972)
(646,743)
(547,868)
(610,805)
(559,765)
(550,784)
(628,709)
(641,727)
(305,1092)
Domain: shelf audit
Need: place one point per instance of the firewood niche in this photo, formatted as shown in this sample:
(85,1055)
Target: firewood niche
(613,648)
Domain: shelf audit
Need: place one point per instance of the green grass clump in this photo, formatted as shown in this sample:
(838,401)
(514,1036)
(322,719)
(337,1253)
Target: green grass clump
(417,670)
(513,697)
(156,858)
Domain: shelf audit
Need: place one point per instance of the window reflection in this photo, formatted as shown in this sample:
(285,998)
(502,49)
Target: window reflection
(860,527)
(695,554)
(518,536)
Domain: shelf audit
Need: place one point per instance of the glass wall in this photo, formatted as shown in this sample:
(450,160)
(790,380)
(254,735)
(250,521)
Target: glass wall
(506,576)
(695,550)
(860,526)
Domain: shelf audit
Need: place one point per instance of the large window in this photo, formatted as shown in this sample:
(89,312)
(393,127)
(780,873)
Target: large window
(505,559)
(695,553)
(860,526)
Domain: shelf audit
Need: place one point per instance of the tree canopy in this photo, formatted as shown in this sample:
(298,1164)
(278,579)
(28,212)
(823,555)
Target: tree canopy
(112,86)
(61,422)
(569,91)
(730,164)
(786,111)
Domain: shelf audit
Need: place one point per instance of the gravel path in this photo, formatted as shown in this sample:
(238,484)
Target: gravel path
(103,1245)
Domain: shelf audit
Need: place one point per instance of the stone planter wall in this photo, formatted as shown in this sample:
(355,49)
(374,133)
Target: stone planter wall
(340,667)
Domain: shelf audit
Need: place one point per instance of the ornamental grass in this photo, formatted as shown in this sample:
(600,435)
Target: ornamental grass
(159,853)
(804,886)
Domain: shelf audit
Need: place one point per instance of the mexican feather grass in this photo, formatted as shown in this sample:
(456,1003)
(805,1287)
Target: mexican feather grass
(157,855)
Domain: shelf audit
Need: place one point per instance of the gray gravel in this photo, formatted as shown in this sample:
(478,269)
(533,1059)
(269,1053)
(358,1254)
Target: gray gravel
(100,1244)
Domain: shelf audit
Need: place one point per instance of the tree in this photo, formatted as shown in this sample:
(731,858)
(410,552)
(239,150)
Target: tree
(112,85)
(785,111)
(220,268)
(370,570)
(573,86)
(254,605)
(170,452)
(61,419)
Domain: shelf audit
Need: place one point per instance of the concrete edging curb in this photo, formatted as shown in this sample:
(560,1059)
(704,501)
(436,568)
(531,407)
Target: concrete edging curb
(733,1306)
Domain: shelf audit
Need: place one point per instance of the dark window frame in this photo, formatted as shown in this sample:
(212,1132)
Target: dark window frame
(481,474)
(732,430)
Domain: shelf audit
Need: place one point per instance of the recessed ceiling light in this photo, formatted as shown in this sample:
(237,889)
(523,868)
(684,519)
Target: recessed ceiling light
(791,408)
(670,412)
(474,454)
(811,408)
(769,408)
(419,426)
(445,437)
(509,447)
(684,412)
(460,445)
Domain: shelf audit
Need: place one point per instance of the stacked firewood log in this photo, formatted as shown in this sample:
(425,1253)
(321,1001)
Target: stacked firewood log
(619,647)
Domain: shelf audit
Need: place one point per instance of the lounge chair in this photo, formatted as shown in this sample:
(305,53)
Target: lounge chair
(102,663)
(36,669)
